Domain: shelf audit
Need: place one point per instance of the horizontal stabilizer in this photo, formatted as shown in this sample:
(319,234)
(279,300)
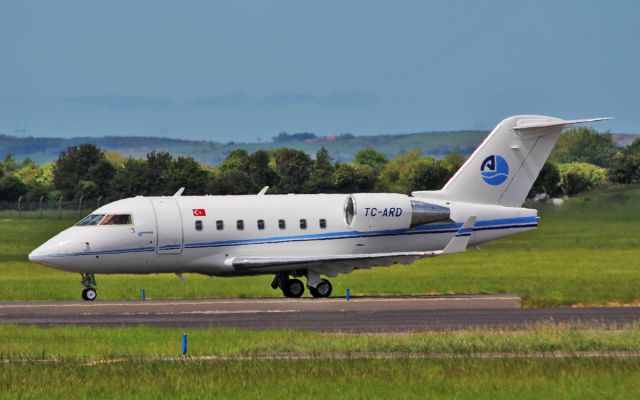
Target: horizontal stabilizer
(541,123)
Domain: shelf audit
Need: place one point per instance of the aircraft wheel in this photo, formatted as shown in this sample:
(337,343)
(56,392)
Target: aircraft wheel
(89,294)
(323,289)
(293,288)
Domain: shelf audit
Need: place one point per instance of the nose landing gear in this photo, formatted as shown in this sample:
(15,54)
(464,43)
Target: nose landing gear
(89,293)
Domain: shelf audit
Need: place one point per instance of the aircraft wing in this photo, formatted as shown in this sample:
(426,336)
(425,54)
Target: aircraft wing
(343,263)
(262,262)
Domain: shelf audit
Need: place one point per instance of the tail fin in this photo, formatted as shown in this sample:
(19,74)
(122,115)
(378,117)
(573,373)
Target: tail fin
(503,168)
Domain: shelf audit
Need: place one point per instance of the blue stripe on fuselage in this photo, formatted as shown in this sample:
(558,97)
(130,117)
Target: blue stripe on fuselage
(504,223)
(97,253)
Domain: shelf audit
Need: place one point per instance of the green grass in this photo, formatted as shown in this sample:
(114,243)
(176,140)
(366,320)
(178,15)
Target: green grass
(77,342)
(363,379)
(586,251)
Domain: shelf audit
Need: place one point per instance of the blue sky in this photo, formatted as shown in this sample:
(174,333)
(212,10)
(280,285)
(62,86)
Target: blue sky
(242,70)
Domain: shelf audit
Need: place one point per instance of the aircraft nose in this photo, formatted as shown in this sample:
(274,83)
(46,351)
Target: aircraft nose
(55,251)
(37,256)
(46,253)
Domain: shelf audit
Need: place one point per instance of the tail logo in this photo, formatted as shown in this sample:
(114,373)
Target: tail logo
(494,170)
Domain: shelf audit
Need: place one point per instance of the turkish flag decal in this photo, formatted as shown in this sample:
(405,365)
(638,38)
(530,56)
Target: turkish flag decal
(199,212)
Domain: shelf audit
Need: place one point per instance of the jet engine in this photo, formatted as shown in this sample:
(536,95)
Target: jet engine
(381,211)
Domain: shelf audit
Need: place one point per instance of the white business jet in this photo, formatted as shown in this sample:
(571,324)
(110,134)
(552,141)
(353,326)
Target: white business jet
(311,235)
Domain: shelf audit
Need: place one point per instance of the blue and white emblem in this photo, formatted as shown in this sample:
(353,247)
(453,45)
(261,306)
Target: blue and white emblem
(494,170)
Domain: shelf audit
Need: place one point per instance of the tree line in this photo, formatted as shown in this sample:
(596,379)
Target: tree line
(583,159)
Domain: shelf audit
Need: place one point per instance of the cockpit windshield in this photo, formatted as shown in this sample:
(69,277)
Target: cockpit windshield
(93,219)
(108,219)
(116,219)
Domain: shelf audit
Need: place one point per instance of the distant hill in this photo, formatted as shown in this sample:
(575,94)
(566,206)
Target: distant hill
(342,147)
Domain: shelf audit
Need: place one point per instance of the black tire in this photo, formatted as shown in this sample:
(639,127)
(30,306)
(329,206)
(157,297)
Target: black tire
(324,288)
(89,294)
(294,288)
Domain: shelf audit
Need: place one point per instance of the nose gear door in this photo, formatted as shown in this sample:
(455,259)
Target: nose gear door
(169,226)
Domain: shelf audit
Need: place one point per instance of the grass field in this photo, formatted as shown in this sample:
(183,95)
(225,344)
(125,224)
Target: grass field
(31,343)
(586,251)
(361,379)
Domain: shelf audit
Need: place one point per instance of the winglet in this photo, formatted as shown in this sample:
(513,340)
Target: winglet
(263,191)
(179,192)
(460,241)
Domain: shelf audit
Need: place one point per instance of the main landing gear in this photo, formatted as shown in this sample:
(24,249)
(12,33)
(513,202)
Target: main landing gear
(294,288)
(89,293)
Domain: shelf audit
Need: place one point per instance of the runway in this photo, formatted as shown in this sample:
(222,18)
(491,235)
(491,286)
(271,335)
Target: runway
(360,314)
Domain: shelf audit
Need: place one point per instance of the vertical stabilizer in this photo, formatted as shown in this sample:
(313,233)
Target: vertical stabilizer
(504,167)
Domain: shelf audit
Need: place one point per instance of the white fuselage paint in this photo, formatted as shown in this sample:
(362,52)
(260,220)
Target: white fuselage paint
(163,237)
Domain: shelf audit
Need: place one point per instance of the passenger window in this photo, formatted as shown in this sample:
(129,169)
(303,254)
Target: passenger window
(261,224)
(323,223)
(303,224)
(116,219)
(198,225)
(281,224)
(219,225)
(240,225)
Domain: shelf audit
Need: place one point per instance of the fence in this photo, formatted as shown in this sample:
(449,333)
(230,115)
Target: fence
(48,209)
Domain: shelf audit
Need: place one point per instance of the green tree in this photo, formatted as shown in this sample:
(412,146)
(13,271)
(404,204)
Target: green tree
(259,169)
(131,180)
(321,179)
(238,159)
(186,172)
(11,188)
(293,167)
(584,145)
(395,175)
(374,159)
(427,174)
(35,190)
(28,171)
(625,167)
(548,181)
(88,189)
(577,177)
(84,163)
(156,173)
(8,164)
(159,175)
(453,161)
(231,181)
(354,178)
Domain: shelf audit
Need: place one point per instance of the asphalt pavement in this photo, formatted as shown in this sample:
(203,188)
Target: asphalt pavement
(359,314)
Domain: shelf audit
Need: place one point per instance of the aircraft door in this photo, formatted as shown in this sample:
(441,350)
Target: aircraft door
(169,226)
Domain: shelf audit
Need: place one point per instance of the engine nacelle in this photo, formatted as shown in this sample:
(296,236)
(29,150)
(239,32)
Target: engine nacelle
(382,211)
